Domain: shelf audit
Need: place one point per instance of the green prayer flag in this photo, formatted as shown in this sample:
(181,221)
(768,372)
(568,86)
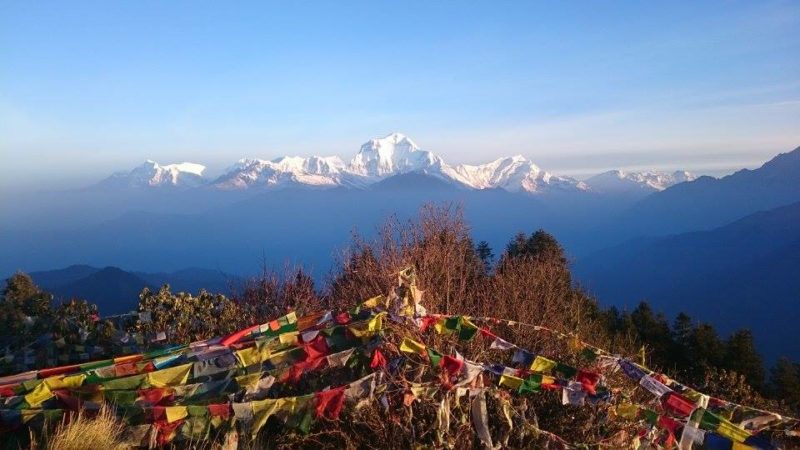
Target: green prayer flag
(124,383)
(566,371)
(650,416)
(434,356)
(452,323)
(467,331)
(531,385)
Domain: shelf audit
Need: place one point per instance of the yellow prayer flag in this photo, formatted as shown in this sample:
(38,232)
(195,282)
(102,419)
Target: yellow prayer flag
(248,356)
(281,357)
(28,414)
(627,411)
(440,327)
(740,446)
(375,301)
(262,411)
(412,346)
(39,394)
(291,317)
(543,365)
(368,328)
(61,382)
(732,432)
(174,376)
(289,338)
(510,381)
(424,391)
(249,380)
(176,413)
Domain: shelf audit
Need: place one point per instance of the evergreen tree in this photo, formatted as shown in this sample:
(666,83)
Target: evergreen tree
(682,329)
(25,311)
(741,356)
(485,254)
(785,382)
(705,349)
(540,245)
(653,330)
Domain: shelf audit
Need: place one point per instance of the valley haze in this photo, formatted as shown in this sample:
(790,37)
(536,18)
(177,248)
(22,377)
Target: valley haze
(303,210)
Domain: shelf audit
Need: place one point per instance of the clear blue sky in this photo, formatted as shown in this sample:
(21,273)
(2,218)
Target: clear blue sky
(87,88)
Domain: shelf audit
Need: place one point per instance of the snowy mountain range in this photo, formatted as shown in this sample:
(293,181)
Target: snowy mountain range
(618,181)
(383,158)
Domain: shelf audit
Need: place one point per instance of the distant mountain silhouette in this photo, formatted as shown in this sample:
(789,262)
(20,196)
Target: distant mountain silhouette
(112,289)
(710,202)
(745,274)
(115,290)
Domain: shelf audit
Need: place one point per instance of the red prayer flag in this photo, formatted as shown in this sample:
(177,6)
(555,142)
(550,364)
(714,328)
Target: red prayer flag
(451,364)
(125,369)
(330,403)
(678,404)
(154,396)
(235,337)
(7,390)
(166,431)
(316,348)
(427,321)
(588,380)
(44,373)
(68,400)
(222,410)
(342,318)
(378,360)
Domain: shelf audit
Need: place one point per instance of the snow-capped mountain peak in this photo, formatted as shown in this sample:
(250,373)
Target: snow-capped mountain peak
(514,174)
(619,181)
(281,172)
(393,155)
(152,174)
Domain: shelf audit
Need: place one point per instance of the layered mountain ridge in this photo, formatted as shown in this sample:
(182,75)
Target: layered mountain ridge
(379,159)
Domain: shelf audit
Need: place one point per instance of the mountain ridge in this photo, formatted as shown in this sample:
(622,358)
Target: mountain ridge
(376,160)
(739,265)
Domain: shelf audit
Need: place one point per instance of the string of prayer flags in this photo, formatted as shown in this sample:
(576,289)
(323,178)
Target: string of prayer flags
(233,377)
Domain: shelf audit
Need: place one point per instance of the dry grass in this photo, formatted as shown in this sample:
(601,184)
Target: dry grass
(85,431)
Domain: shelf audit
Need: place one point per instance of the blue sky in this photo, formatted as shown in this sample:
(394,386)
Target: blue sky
(87,88)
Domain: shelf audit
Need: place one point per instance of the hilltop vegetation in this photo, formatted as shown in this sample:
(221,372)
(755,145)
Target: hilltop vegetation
(529,281)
